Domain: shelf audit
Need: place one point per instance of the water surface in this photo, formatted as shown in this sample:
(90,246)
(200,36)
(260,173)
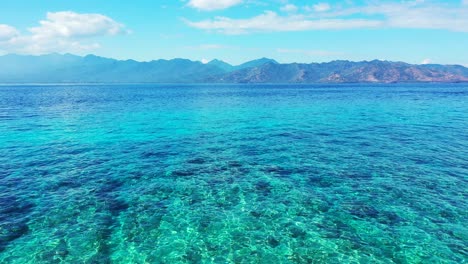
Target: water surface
(234,173)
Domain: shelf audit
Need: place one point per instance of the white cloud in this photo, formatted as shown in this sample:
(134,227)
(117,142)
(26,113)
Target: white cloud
(290,8)
(7,32)
(426,61)
(60,32)
(409,15)
(321,7)
(270,22)
(70,24)
(419,15)
(464,2)
(210,5)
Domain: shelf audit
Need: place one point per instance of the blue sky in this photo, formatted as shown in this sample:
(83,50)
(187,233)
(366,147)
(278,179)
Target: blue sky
(415,31)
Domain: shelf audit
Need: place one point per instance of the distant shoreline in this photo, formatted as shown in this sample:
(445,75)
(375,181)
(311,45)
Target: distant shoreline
(225,84)
(68,69)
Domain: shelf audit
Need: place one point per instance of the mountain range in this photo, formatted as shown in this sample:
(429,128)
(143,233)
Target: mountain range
(67,68)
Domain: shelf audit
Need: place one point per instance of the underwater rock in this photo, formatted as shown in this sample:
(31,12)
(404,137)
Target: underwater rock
(297,232)
(457,232)
(219,169)
(278,170)
(198,160)
(364,211)
(230,180)
(193,255)
(62,253)
(220,260)
(13,219)
(360,175)
(235,190)
(331,234)
(448,214)
(320,181)
(273,242)
(251,152)
(108,187)
(264,187)
(116,206)
(333,228)
(75,150)
(272,168)
(69,184)
(195,198)
(317,204)
(284,134)
(10,204)
(234,164)
(12,231)
(458,248)
(243,171)
(256,213)
(390,218)
(62,250)
(157,154)
(182,173)
(204,223)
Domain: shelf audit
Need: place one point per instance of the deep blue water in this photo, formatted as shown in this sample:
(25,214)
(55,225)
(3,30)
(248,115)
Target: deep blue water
(234,173)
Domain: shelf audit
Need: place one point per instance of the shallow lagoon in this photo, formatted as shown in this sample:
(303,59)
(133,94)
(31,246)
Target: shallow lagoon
(234,173)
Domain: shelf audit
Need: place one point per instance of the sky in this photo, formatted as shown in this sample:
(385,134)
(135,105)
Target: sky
(304,31)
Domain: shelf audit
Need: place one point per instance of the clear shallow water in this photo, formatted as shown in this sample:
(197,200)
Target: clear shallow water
(234,174)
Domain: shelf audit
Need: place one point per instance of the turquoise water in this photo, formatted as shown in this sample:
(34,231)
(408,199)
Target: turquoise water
(234,174)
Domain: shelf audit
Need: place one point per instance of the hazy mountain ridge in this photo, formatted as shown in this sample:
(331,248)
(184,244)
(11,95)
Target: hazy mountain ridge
(56,68)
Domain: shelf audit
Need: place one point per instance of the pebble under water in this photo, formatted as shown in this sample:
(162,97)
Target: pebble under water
(234,173)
